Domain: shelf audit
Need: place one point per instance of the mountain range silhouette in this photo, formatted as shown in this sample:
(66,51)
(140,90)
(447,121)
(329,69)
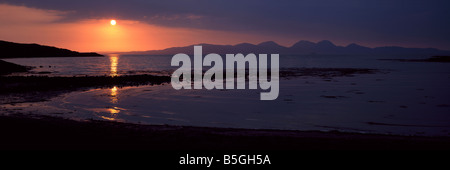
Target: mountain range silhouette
(302,47)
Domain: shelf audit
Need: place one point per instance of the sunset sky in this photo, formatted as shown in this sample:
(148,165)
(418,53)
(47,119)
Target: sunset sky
(84,25)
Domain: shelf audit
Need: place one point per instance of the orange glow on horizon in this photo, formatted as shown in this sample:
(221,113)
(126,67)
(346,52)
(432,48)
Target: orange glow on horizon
(28,25)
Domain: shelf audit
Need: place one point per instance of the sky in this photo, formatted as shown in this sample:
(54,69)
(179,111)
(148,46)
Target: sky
(84,25)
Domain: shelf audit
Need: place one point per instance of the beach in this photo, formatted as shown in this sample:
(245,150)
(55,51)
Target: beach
(320,108)
(224,84)
(20,132)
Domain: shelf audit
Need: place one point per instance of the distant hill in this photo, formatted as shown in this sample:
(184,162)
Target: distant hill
(303,47)
(17,50)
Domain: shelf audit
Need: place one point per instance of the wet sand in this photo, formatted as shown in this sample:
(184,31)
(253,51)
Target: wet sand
(24,132)
(19,131)
(20,89)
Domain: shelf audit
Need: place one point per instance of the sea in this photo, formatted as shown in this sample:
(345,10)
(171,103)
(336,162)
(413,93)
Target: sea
(401,98)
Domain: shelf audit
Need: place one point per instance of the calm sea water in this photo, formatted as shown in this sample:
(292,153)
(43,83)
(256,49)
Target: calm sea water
(135,64)
(408,98)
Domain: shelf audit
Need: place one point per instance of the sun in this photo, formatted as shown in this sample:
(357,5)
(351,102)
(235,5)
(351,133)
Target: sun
(113,22)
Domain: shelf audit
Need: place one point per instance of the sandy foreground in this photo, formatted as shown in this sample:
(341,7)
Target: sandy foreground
(24,132)
(20,131)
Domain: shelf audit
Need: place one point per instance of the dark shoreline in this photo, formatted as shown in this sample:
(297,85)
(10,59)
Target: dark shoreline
(23,84)
(8,68)
(20,89)
(25,132)
(433,59)
(20,132)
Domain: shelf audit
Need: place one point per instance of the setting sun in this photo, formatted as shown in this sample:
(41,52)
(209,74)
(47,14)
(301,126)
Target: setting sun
(113,22)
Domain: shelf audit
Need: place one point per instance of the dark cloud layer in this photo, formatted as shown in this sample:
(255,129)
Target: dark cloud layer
(409,22)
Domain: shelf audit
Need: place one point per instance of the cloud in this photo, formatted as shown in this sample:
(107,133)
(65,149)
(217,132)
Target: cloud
(372,22)
(57,28)
(13,15)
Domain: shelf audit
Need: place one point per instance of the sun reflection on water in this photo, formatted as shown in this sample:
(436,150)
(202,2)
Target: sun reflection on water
(113,95)
(112,112)
(114,60)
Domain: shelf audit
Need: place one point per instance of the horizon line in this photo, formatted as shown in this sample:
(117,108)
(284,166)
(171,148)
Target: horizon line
(203,43)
